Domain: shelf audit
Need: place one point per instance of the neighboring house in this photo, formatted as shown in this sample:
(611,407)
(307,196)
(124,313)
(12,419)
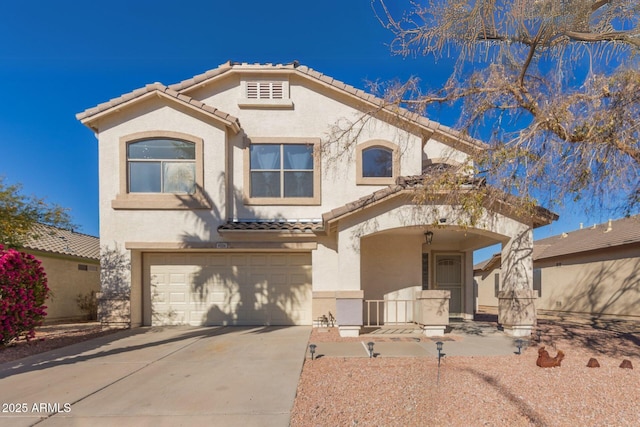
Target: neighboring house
(71,262)
(594,271)
(232,206)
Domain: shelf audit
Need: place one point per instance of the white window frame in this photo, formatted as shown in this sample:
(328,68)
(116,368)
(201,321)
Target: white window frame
(314,200)
(158,201)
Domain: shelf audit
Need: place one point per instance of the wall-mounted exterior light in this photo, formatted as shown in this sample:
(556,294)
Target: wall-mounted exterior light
(428,237)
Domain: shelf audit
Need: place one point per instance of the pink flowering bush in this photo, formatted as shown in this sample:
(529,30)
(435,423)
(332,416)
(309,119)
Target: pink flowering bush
(23,291)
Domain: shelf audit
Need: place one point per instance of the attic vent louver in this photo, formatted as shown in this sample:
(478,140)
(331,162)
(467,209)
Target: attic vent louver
(265,90)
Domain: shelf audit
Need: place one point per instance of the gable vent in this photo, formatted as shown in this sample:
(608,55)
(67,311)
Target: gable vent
(265,90)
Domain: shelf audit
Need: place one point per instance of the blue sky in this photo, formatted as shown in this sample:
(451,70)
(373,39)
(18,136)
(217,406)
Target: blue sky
(58,58)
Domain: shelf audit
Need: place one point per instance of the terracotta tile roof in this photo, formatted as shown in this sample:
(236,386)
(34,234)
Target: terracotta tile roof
(302,70)
(65,242)
(363,202)
(617,233)
(276,226)
(87,115)
(405,184)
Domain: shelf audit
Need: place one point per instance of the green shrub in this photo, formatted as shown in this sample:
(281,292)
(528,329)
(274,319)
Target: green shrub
(89,304)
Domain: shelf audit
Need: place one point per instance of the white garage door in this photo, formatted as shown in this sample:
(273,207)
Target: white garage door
(227,289)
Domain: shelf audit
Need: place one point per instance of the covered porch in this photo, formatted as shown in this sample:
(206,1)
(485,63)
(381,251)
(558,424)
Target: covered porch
(392,261)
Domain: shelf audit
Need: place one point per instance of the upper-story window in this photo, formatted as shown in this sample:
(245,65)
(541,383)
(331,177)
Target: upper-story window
(161,170)
(161,166)
(282,172)
(376,163)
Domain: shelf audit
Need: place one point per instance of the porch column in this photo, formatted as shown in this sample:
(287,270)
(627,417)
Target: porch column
(432,311)
(516,302)
(350,296)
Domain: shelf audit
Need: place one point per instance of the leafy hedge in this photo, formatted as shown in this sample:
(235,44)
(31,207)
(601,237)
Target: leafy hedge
(23,291)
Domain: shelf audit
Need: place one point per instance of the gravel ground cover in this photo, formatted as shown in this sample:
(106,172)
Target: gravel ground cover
(464,391)
(481,391)
(50,337)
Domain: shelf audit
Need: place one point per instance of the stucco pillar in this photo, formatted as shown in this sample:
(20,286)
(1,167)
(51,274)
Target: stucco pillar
(432,311)
(349,296)
(516,305)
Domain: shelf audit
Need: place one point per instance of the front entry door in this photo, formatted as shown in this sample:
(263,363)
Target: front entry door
(449,278)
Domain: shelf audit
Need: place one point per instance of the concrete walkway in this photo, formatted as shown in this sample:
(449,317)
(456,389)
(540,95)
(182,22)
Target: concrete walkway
(470,339)
(159,377)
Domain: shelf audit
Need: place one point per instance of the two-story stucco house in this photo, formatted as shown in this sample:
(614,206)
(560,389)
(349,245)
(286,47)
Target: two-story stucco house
(232,207)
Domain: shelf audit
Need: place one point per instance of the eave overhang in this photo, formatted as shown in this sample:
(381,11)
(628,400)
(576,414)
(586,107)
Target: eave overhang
(91,116)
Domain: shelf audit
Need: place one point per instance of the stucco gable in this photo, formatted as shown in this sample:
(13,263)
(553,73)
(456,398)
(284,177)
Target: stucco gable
(440,132)
(90,116)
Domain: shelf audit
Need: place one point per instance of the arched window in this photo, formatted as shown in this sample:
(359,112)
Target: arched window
(376,163)
(161,170)
(161,166)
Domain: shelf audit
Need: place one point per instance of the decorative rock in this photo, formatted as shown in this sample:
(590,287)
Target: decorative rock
(626,364)
(546,361)
(593,363)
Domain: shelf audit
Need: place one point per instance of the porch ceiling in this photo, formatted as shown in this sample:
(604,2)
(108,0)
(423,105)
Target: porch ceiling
(449,238)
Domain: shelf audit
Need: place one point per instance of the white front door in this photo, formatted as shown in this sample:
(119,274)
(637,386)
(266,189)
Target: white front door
(448,277)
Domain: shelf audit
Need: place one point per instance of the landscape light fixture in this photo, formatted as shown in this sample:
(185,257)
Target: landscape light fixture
(440,353)
(428,237)
(440,356)
(370,347)
(519,344)
(312,350)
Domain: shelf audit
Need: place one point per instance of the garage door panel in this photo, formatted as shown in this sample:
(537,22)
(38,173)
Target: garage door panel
(238,288)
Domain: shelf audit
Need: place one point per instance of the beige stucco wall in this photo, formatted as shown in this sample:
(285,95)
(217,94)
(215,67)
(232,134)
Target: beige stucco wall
(390,263)
(66,283)
(160,225)
(336,263)
(605,282)
(485,288)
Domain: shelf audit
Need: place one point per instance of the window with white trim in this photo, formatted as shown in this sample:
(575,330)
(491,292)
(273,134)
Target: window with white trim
(281,170)
(161,166)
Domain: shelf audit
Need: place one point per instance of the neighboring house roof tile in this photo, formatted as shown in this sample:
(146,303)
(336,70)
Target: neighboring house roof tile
(602,236)
(64,242)
(287,226)
(609,234)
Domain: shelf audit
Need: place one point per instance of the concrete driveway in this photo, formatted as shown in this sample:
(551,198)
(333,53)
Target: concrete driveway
(168,376)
